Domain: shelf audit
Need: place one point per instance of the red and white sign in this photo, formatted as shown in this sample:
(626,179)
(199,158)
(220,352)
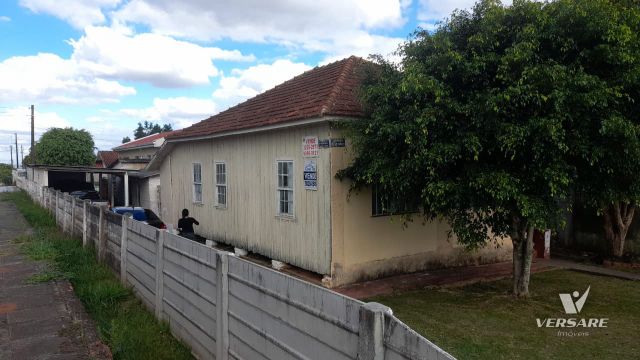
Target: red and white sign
(310,146)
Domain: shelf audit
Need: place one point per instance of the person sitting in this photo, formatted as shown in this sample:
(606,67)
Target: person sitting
(185,225)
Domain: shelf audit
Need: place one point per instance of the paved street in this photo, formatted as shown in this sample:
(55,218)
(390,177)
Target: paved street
(38,321)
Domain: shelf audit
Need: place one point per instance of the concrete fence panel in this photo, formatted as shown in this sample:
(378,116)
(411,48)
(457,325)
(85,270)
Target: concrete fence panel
(78,217)
(113,239)
(276,316)
(93,225)
(189,301)
(141,260)
(401,342)
(67,213)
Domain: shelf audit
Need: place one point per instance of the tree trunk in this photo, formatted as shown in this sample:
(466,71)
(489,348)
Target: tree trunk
(617,220)
(522,238)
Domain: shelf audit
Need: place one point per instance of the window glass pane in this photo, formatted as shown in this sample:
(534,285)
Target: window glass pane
(221,171)
(222,195)
(197,173)
(197,192)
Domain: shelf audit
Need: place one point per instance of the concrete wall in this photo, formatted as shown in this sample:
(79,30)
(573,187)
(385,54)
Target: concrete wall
(366,246)
(250,220)
(226,307)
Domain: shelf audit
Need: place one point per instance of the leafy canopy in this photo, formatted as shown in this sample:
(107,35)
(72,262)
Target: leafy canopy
(485,119)
(5,174)
(65,147)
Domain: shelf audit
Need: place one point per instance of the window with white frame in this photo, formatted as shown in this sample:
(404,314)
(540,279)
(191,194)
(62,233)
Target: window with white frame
(221,184)
(197,183)
(285,187)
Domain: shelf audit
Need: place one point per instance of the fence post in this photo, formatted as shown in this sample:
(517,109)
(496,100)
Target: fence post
(73,216)
(102,235)
(160,234)
(123,249)
(371,331)
(84,223)
(222,306)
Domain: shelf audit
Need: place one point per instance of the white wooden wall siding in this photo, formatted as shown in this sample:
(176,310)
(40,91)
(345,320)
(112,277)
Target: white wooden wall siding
(250,219)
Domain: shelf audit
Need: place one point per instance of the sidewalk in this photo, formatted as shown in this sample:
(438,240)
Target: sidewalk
(469,274)
(39,321)
(593,269)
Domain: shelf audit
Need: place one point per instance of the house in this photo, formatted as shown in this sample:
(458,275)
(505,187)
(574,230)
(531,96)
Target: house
(106,159)
(261,176)
(135,155)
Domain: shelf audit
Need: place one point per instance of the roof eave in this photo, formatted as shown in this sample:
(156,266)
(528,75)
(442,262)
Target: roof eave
(169,143)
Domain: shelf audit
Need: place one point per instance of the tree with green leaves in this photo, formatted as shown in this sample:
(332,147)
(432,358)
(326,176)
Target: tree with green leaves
(5,174)
(481,118)
(605,48)
(65,147)
(126,139)
(149,128)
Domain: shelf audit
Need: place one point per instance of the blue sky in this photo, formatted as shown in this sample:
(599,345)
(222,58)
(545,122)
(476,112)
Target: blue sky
(105,65)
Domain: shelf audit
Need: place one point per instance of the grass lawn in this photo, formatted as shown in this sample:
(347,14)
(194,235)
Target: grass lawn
(124,324)
(482,321)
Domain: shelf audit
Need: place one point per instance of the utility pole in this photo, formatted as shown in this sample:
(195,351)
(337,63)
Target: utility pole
(22,153)
(17,156)
(33,140)
(11,151)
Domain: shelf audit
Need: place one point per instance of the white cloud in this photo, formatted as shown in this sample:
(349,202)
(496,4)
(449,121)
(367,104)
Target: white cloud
(52,79)
(156,59)
(180,112)
(243,84)
(18,120)
(308,24)
(5,19)
(79,13)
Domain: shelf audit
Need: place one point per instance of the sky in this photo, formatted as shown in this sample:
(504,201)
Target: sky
(105,65)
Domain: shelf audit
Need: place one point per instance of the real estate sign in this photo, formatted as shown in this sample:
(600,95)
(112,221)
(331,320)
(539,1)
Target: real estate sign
(310,146)
(310,174)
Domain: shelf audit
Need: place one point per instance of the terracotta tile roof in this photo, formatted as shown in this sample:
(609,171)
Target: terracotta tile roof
(108,158)
(328,90)
(144,141)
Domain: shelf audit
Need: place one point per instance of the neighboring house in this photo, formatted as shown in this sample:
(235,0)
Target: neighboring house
(106,159)
(261,176)
(135,155)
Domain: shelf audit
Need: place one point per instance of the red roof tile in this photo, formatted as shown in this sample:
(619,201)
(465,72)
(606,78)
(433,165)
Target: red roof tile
(144,141)
(108,158)
(323,91)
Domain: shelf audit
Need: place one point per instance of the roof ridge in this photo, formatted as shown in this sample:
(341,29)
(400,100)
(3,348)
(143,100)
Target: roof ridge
(348,66)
